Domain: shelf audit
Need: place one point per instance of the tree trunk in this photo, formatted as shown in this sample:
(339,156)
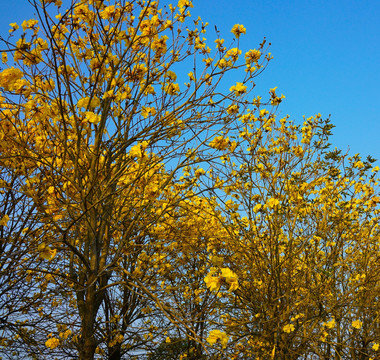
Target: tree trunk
(87,348)
(115,353)
(88,308)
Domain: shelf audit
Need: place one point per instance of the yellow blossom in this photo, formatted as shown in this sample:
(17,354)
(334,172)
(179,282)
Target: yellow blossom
(4,220)
(288,328)
(52,343)
(219,143)
(29,24)
(237,30)
(9,78)
(357,324)
(233,109)
(233,53)
(218,336)
(138,150)
(219,44)
(213,282)
(86,103)
(92,117)
(199,172)
(233,146)
(147,111)
(271,203)
(14,27)
(239,89)
(108,12)
(217,260)
(46,253)
(252,56)
(183,3)
(330,324)
(172,89)
(257,208)
(231,278)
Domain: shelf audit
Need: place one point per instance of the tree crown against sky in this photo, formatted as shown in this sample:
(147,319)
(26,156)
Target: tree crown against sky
(151,213)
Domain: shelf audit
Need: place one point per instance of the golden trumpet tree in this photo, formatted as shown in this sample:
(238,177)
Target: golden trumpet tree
(146,212)
(101,127)
(303,243)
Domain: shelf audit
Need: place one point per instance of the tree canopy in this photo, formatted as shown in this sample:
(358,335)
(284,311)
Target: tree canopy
(150,209)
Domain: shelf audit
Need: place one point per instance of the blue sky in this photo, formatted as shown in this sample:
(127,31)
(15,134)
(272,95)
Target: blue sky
(326,57)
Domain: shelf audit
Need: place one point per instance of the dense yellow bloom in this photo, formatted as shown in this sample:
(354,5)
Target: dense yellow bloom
(233,53)
(239,89)
(92,117)
(255,207)
(252,56)
(357,324)
(108,12)
(9,78)
(237,30)
(147,111)
(46,253)
(271,203)
(4,220)
(217,336)
(159,45)
(52,343)
(85,102)
(138,150)
(29,24)
(183,3)
(288,328)
(231,278)
(214,282)
(233,109)
(219,143)
(172,89)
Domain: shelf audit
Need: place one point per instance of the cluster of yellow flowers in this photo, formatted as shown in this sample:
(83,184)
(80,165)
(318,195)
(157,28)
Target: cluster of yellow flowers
(239,89)
(224,275)
(217,336)
(52,343)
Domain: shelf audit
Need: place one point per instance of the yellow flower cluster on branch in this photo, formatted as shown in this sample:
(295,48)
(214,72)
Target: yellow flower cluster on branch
(237,30)
(225,276)
(217,336)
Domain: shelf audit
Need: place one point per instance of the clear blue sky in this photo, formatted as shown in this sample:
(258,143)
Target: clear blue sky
(326,57)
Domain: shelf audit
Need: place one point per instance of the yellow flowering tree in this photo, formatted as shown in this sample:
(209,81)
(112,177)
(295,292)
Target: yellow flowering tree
(146,213)
(104,133)
(303,240)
